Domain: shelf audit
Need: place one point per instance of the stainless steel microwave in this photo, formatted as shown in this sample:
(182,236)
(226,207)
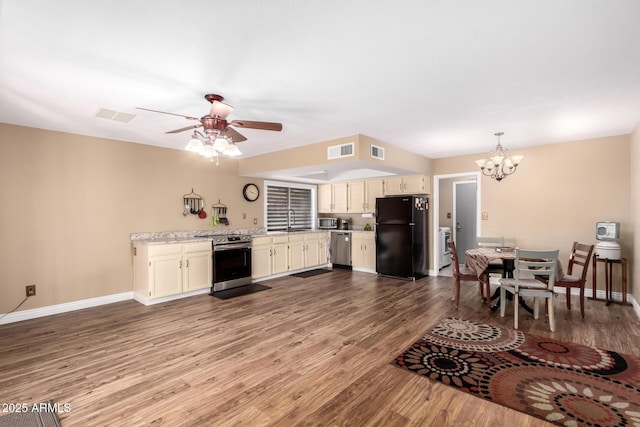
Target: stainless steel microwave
(327,222)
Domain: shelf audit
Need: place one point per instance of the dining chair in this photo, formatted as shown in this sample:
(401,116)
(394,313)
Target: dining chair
(530,267)
(461,273)
(497,266)
(580,256)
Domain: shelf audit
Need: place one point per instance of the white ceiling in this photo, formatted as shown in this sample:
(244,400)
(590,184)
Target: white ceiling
(437,78)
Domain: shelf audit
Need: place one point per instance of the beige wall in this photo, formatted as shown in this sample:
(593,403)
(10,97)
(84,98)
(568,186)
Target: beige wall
(635,209)
(69,204)
(557,195)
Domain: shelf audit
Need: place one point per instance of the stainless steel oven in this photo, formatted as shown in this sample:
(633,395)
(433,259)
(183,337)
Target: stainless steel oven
(231,262)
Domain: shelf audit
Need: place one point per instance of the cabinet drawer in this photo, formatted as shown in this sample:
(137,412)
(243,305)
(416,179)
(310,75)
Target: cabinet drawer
(197,247)
(165,249)
(257,241)
(299,237)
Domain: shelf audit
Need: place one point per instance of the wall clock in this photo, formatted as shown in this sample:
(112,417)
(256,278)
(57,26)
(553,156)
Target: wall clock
(251,192)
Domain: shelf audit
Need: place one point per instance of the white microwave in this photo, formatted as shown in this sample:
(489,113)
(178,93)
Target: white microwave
(327,222)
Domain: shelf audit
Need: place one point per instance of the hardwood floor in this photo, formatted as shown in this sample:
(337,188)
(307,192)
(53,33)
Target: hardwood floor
(313,351)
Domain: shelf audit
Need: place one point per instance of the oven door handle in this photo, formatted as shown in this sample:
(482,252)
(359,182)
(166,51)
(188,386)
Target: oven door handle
(230,247)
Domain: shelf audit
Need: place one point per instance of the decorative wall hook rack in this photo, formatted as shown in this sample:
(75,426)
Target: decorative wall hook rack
(192,203)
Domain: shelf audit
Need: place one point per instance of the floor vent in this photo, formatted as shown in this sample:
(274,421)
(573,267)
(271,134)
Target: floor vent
(377,152)
(339,151)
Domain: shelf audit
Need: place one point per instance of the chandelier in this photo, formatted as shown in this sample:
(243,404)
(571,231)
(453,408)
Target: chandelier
(212,145)
(498,165)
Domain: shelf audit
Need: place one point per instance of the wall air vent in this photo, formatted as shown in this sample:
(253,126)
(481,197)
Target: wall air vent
(339,151)
(377,152)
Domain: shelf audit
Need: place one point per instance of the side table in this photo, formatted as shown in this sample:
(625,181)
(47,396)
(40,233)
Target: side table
(608,276)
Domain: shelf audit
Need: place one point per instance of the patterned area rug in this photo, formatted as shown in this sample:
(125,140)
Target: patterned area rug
(563,383)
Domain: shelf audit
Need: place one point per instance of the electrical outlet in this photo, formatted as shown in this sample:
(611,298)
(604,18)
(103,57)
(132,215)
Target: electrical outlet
(485,215)
(31,290)
(255,221)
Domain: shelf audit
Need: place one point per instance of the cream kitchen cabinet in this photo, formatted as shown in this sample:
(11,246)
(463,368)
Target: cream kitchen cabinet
(362,195)
(413,184)
(373,190)
(164,270)
(363,250)
(197,266)
(296,251)
(332,198)
(307,250)
(315,249)
(269,255)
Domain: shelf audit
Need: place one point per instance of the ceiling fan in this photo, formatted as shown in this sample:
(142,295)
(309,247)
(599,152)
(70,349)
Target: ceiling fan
(215,123)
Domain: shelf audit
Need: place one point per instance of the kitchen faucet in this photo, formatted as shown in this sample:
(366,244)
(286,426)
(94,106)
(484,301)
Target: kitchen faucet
(291,214)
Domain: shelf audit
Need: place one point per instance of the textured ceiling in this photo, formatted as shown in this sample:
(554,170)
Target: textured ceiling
(435,77)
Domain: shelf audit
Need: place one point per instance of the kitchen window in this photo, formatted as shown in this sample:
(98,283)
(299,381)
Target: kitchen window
(289,206)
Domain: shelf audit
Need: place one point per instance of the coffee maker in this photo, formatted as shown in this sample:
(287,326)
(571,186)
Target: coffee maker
(343,223)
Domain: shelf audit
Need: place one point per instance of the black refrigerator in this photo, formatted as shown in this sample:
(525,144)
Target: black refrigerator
(402,241)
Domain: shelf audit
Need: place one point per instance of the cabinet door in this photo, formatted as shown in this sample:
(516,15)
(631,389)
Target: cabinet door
(261,261)
(356,193)
(279,262)
(311,251)
(296,254)
(357,249)
(198,270)
(166,275)
(373,190)
(323,245)
(414,184)
(340,197)
(325,198)
(369,251)
(393,186)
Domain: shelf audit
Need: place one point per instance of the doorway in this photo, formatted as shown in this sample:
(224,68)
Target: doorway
(442,209)
(464,216)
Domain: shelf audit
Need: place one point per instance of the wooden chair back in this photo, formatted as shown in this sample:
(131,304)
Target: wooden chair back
(580,255)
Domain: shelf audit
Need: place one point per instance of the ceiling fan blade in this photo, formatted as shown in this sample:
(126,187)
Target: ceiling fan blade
(256,125)
(185,128)
(164,112)
(220,109)
(234,135)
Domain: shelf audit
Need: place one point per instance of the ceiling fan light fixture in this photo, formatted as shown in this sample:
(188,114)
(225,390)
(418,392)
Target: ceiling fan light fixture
(195,145)
(220,144)
(208,151)
(232,150)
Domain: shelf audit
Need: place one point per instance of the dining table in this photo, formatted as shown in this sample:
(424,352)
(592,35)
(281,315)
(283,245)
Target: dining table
(478,259)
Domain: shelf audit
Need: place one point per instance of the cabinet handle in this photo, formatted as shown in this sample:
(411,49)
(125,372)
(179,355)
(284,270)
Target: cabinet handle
(187,263)
(180,263)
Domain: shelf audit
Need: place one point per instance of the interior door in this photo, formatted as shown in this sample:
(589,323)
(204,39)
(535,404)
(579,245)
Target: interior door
(464,216)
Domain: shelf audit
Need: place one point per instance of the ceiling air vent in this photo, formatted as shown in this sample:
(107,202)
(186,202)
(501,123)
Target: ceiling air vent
(339,151)
(377,152)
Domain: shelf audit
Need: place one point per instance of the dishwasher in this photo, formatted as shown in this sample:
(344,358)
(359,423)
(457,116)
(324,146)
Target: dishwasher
(341,250)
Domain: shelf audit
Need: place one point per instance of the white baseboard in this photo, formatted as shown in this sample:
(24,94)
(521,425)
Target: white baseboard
(150,301)
(65,307)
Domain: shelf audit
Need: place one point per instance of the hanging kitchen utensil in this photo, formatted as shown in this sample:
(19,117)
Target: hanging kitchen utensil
(219,214)
(202,214)
(193,203)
